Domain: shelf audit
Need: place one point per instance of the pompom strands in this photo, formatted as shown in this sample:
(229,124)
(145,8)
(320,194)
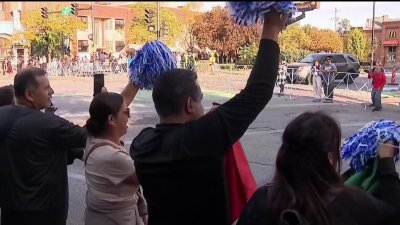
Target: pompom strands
(249,13)
(363,145)
(152,60)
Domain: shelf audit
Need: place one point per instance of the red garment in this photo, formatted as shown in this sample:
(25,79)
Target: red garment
(240,181)
(378,79)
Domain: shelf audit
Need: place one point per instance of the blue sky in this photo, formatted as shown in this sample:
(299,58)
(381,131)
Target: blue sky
(356,12)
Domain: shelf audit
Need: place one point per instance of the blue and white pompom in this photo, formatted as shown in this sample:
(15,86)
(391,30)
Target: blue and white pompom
(149,62)
(249,13)
(363,145)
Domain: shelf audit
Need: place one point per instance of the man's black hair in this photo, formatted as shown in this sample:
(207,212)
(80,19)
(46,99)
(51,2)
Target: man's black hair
(171,90)
(26,79)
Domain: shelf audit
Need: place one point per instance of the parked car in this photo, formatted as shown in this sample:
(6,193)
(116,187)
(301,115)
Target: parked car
(300,72)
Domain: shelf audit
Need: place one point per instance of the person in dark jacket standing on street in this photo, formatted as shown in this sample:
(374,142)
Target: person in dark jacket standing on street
(35,149)
(307,183)
(180,162)
(329,71)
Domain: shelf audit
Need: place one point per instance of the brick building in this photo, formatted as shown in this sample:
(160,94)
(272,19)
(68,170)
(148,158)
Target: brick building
(111,24)
(387,33)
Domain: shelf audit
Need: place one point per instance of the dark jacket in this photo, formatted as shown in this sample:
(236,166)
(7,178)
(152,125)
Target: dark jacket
(180,166)
(33,165)
(350,207)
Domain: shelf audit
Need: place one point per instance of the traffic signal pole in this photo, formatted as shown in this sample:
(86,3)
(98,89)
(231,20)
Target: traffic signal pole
(158,21)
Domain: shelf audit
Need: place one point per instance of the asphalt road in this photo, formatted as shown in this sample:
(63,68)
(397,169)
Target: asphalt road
(260,142)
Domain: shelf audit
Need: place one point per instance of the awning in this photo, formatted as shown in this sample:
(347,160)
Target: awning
(391,43)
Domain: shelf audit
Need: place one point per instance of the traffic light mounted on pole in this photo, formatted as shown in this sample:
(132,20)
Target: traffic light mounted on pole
(74,9)
(149,14)
(164,28)
(44,12)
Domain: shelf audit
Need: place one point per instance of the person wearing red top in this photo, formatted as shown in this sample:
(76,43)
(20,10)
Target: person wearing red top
(378,82)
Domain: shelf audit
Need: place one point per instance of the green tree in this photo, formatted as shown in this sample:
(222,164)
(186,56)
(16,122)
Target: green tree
(344,26)
(294,37)
(138,32)
(357,44)
(47,34)
(248,54)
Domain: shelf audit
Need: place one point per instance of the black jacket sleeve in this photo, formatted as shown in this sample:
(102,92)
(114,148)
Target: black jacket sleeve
(214,133)
(66,134)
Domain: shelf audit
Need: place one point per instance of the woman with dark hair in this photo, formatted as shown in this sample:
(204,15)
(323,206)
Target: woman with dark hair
(113,188)
(307,188)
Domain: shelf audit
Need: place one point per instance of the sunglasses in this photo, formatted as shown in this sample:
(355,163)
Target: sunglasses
(127,112)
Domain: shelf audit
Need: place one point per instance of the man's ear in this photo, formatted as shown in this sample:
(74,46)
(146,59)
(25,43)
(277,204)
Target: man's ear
(189,105)
(29,95)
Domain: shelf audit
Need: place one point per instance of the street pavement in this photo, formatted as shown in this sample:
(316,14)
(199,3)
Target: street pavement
(261,142)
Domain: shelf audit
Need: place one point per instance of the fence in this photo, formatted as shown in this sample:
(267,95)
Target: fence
(233,78)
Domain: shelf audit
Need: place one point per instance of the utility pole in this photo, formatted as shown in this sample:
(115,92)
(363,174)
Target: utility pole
(373,34)
(93,27)
(336,19)
(158,20)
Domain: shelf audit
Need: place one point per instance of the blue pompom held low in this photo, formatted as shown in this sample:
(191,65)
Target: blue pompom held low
(249,13)
(149,62)
(363,145)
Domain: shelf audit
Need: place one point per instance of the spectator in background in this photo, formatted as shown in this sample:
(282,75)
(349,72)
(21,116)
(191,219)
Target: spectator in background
(317,81)
(9,67)
(378,83)
(282,78)
(212,61)
(329,72)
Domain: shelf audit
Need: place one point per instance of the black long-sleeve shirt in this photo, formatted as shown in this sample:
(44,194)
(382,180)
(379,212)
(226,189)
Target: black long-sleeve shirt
(33,166)
(351,206)
(180,166)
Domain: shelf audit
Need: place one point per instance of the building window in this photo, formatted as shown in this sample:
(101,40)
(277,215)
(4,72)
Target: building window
(83,46)
(109,46)
(392,34)
(119,24)
(119,45)
(109,24)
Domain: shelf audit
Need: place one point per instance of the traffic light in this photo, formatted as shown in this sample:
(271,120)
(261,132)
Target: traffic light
(149,14)
(45,12)
(164,28)
(74,9)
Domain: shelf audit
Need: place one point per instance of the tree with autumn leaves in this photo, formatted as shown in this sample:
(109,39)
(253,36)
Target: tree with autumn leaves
(46,35)
(216,30)
(139,33)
